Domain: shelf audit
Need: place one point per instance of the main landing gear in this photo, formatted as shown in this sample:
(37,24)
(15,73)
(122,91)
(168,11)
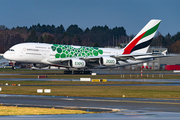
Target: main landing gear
(77,72)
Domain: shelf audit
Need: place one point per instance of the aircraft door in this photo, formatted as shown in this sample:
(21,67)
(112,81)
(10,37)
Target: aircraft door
(20,53)
(44,54)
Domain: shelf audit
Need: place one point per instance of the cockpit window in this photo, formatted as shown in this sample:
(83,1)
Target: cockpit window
(11,50)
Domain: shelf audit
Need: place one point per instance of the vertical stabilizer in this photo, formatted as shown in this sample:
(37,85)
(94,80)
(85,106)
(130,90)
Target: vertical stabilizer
(141,42)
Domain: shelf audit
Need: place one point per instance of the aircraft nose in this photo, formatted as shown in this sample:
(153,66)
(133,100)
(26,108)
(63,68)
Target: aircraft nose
(6,55)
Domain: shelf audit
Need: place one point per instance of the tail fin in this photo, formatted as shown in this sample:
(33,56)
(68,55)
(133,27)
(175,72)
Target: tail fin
(141,42)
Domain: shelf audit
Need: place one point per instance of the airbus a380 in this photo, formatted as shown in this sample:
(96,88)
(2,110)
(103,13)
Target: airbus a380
(82,57)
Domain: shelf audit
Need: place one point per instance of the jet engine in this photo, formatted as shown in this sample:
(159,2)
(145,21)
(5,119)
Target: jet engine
(107,61)
(76,63)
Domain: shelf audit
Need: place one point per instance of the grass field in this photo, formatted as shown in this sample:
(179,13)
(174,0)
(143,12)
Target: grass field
(13,110)
(98,91)
(73,82)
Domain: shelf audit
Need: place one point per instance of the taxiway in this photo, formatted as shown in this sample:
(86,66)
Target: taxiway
(126,106)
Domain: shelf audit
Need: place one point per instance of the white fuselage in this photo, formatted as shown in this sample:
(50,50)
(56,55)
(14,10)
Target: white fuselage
(42,53)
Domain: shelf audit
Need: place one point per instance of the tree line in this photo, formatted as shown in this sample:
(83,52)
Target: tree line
(97,36)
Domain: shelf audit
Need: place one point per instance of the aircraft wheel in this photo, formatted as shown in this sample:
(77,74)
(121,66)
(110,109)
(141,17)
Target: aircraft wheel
(87,72)
(67,72)
(13,68)
(82,72)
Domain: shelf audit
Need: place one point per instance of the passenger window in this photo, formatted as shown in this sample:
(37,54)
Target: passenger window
(11,50)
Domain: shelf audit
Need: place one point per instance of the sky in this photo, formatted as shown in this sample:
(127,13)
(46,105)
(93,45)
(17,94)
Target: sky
(133,15)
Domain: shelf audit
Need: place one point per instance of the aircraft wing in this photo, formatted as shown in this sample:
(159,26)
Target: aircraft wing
(57,60)
(94,60)
(151,56)
(64,61)
(118,57)
(138,56)
(129,56)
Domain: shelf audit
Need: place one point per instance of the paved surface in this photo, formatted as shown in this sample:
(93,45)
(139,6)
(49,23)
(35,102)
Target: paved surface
(172,84)
(130,108)
(176,81)
(126,115)
(107,72)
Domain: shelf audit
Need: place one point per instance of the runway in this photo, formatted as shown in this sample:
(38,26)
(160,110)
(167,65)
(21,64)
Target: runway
(129,107)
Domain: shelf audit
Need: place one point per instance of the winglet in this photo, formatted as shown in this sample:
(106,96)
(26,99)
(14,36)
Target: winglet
(164,52)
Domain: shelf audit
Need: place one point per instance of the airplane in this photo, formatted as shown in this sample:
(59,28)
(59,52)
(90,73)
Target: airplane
(82,58)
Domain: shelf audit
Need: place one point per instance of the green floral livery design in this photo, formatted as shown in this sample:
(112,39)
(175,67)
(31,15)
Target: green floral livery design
(64,51)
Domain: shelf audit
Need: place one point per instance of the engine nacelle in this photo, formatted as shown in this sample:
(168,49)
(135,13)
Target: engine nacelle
(107,61)
(40,65)
(76,63)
